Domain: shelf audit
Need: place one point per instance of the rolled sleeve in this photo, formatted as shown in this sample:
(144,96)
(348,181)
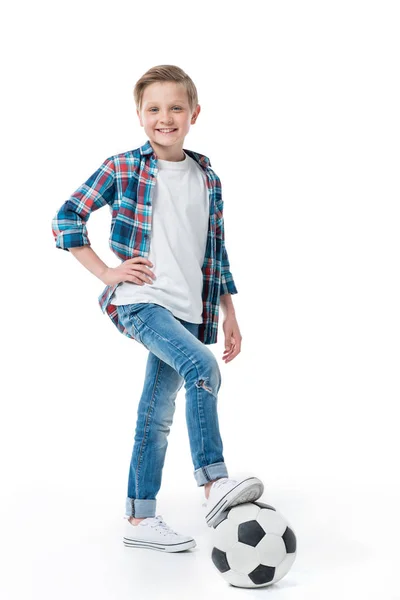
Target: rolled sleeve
(69,223)
(227,282)
(228,285)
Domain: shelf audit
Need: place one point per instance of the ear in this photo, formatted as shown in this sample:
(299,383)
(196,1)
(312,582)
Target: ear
(196,113)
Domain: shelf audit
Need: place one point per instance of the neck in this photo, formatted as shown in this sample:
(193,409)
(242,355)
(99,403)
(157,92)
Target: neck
(172,154)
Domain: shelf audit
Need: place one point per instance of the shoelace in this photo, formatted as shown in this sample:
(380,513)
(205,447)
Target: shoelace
(159,522)
(219,483)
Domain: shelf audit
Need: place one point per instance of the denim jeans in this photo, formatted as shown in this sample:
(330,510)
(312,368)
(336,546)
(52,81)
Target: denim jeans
(176,357)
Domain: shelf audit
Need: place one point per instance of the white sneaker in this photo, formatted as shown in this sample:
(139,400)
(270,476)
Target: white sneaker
(226,492)
(155,534)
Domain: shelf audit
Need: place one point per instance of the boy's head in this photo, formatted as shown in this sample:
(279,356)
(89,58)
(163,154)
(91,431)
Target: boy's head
(165,98)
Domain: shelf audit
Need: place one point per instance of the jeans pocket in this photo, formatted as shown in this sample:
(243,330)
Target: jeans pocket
(129,320)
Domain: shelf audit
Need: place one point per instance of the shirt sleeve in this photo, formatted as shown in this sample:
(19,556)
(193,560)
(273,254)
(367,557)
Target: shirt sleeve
(69,223)
(227,282)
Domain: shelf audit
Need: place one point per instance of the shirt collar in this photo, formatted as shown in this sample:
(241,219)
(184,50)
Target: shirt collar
(203,160)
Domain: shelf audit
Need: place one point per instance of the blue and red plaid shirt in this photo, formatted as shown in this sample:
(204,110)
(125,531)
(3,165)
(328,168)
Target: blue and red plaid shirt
(125,182)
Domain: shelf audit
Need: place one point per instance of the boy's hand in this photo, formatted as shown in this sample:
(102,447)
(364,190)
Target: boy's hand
(130,270)
(233,339)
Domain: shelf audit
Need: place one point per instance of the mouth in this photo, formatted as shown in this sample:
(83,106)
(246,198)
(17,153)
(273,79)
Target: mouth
(166,131)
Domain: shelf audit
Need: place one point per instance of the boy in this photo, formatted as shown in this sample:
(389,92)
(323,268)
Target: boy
(167,228)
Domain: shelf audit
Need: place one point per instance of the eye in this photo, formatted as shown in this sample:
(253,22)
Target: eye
(154,108)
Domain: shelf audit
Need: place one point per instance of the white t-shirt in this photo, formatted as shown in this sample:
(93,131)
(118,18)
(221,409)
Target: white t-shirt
(180,215)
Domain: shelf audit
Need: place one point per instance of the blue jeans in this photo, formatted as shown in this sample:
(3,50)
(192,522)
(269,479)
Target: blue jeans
(176,356)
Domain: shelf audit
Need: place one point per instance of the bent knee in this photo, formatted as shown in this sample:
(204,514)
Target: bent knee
(209,377)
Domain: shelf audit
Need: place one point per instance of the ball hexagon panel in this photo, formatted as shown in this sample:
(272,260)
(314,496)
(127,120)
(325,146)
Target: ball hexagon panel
(271,550)
(243,512)
(285,566)
(271,521)
(242,558)
(238,579)
(225,534)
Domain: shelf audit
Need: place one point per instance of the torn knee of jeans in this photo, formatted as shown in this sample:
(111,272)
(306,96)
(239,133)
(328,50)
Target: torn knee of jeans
(202,383)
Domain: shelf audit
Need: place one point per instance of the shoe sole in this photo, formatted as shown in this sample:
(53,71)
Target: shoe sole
(248,490)
(137,543)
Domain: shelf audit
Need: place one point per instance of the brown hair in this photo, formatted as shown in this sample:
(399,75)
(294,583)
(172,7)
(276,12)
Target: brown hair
(165,73)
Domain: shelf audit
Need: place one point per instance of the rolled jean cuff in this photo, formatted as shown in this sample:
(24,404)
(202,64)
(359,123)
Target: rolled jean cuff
(139,508)
(210,472)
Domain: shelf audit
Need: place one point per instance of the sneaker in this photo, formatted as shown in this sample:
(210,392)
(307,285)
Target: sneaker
(226,492)
(155,534)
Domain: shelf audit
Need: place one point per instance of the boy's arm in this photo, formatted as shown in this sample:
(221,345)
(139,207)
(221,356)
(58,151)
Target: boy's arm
(233,337)
(227,305)
(69,223)
(89,259)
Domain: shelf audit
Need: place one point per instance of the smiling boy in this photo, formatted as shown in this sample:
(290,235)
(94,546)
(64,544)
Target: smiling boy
(167,228)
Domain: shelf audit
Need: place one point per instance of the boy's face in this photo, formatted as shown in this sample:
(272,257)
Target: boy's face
(165,105)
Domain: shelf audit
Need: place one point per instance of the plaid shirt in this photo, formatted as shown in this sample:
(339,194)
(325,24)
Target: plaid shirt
(125,182)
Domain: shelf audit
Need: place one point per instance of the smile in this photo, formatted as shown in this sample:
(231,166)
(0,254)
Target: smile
(166,131)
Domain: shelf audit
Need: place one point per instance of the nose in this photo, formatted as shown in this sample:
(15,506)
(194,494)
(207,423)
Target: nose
(165,119)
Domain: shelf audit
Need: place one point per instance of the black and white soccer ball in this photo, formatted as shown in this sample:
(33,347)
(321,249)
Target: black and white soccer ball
(253,545)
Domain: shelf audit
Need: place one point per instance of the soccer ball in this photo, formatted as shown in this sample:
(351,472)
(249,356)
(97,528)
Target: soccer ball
(253,545)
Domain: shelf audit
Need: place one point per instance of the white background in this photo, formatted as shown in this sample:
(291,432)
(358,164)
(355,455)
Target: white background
(300,118)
